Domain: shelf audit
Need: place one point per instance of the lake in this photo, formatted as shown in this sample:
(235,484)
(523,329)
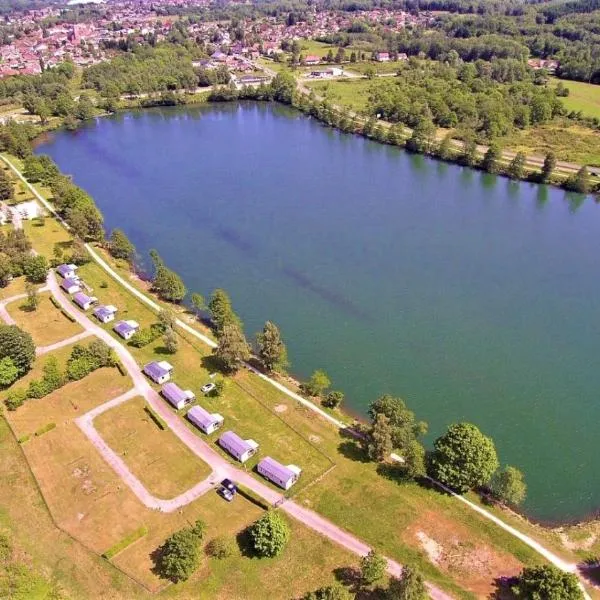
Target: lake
(471,296)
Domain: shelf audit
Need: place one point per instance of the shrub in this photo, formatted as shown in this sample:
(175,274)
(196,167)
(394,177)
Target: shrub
(15,398)
(67,315)
(222,547)
(333,399)
(145,336)
(317,384)
(180,554)
(8,371)
(270,534)
(37,389)
(45,429)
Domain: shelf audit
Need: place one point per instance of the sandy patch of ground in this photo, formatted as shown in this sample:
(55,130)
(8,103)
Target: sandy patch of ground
(315,439)
(281,408)
(452,549)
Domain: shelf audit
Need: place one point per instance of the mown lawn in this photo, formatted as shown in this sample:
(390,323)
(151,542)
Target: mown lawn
(45,235)
(15,287)
(351,93)
(156,457)
(47,324)
(584,97)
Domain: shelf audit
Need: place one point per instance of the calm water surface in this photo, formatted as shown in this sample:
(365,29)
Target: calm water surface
(473,297)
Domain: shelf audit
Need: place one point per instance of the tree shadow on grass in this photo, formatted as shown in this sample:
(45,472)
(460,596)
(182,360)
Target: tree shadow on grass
(244,542)
(156,557)
(27,309)
(351,449)
(502,589)
(590,571)
(350,578)
(211,363)
(163,351)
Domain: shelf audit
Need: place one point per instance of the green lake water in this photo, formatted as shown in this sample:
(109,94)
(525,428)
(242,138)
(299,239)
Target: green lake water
(472,297)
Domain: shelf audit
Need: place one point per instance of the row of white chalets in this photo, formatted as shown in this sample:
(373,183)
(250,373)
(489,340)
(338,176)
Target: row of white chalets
(160,372)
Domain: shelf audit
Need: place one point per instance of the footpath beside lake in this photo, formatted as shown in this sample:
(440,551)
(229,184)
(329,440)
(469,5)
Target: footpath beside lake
(471,296)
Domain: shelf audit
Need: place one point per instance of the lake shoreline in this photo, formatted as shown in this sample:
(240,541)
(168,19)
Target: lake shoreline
(551,522)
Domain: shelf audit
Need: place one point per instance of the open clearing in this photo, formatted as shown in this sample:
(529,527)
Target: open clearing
(14,288)
(584,97)
(46,324)
(156,457)
(351,93)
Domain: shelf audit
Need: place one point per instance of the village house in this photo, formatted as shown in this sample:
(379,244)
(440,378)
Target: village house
(159,372)
(105,314)
(382,57)
(240,449)
(69,285)
(66,271)
(84,301)
(280,475)
(312,60)
(176,396)
(126,329)
(205,421)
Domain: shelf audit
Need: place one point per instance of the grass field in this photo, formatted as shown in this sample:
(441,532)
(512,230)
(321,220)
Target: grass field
(70,401)
(14,288)
(568,142)
(44,237)
(352,93)
(584,97)
(156,457)
(47,324)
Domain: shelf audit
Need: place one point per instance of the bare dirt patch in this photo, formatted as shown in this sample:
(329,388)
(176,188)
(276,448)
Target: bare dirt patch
(281,408)
(450,547)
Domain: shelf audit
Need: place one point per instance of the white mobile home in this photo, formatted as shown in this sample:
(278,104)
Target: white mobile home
(176,396)
(240,449)
(205,421)
(283,476)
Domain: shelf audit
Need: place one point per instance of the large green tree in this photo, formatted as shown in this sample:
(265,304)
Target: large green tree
(271,349)
(283,87)
(221,311)
(166,283)
(270,534)
(317,384)
(120,246)
(372,567)
(233,348)
(508,485)
(18,346)
(463,458)
(547,582)
(36,268)
(179,556)
(379,441)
